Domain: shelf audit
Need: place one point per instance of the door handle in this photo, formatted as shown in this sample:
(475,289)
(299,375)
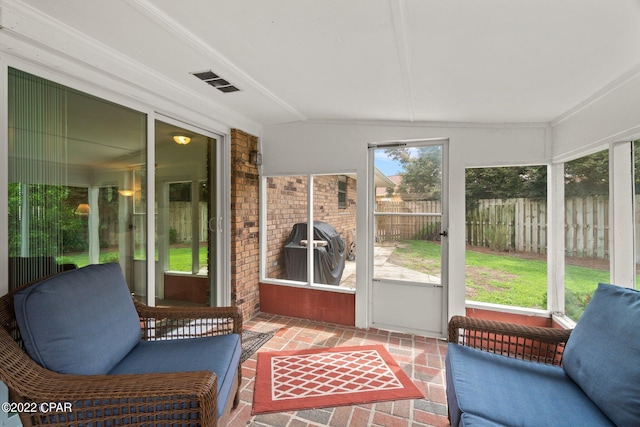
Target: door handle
(444,233)
(213,227)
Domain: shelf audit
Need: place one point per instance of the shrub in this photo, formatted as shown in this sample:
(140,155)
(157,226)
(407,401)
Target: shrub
(111,257)
(173,236)
(498,238)
(576,302)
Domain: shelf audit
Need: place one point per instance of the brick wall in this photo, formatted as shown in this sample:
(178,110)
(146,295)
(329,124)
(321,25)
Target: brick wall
(287,205)
(244,224)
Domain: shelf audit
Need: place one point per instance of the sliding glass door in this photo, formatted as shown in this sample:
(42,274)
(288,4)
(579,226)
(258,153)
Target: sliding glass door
(187,215)
(77,193)
(72,163)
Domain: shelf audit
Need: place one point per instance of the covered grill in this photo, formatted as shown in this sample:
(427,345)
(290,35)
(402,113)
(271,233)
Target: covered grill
(328,253)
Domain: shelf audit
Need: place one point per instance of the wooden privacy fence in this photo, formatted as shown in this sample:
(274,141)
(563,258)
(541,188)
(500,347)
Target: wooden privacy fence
(180,215)
(179,224)
(406,226)
(506,225)
(587,227)
(521,225)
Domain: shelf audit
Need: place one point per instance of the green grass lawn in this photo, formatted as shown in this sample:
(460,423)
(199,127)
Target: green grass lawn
(501,278)
(179,258)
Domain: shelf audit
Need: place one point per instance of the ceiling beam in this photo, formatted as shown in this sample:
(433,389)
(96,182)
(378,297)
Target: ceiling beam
(401,30)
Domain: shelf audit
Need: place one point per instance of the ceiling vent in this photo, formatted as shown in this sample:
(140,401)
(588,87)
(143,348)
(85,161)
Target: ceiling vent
(216,81)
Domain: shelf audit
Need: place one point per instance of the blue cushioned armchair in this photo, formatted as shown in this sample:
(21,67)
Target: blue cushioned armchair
(500,374)
(78,338)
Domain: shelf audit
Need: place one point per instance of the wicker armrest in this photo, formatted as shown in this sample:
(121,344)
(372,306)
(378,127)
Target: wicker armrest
(106,399)
(130,399)
(188,322)
(539,344)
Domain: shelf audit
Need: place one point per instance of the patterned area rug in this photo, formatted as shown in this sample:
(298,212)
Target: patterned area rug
(305,379)
(252,341)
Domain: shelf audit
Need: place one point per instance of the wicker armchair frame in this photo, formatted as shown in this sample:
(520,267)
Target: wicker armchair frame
(534,343)
(135,400)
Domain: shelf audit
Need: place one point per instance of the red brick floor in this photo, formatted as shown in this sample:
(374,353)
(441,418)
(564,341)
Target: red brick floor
(421,358)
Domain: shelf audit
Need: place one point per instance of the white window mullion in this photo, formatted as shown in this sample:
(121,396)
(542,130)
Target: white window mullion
(310,232)
(555,238)
(621,215)
(151,211)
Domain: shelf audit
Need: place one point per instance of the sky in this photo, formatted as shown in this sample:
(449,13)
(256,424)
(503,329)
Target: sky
(385,164)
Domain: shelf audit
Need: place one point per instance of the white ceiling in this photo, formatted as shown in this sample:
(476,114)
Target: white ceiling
(401,60)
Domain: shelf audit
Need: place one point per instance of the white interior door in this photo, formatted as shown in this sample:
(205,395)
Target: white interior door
(409,245)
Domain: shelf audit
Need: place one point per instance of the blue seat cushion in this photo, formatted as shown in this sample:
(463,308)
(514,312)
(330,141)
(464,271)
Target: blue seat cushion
(514,392)
(468,420)
(79,322)
(218,354)
(603,353)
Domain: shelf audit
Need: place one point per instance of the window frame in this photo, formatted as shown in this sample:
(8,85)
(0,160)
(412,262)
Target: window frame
(264,250)
(537,312)
(342,191)
(622,234)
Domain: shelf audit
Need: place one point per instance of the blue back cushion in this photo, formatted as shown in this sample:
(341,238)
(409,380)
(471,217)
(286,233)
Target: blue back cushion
(603,353)
(79,322)
(514,392)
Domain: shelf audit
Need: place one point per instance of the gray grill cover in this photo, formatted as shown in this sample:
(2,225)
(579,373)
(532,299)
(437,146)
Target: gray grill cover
(328,261)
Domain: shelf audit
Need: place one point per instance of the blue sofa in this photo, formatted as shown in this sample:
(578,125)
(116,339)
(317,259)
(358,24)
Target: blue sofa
(110,360)
(506,375)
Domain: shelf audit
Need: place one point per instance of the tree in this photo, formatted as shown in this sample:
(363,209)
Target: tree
(422,176)
(587,176)
(53,226)
(505,183)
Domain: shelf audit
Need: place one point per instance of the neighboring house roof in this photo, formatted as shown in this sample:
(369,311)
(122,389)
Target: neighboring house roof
(382,181)
(392,181)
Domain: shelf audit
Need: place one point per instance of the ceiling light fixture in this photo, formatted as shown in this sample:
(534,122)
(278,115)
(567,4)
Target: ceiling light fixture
(126,193)
(181,139)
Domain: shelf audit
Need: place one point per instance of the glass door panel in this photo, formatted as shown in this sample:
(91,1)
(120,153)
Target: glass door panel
(408,216)
(408,249)
(70,160)
(185,172)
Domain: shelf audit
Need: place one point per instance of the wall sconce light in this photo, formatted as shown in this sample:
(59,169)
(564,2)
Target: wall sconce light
(83,209)
(255,158)
(181,139)
(126,193)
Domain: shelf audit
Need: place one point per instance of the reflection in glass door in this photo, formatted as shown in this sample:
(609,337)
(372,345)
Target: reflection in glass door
(409,233)
(72,159)
(185,225)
